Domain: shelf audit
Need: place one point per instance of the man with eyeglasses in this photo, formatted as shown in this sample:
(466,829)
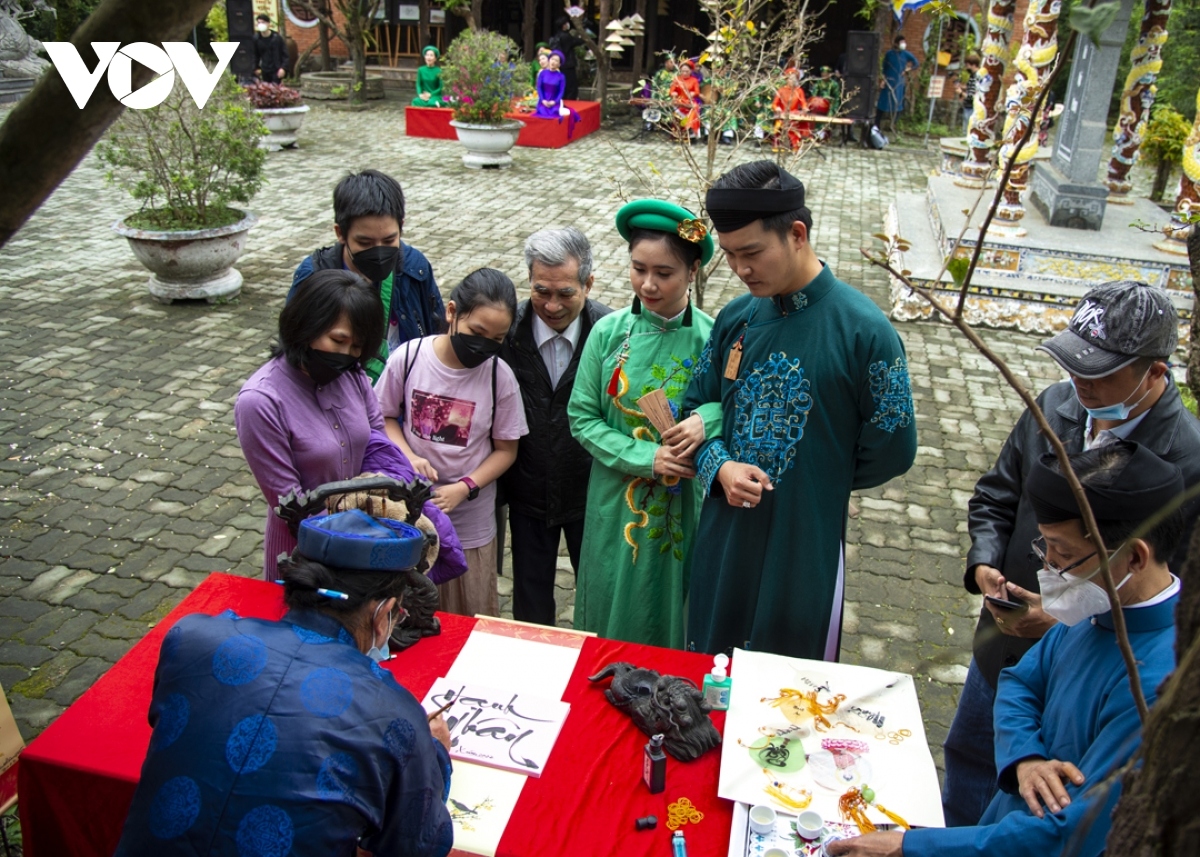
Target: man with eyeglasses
(1065,715)
(546,488)
(1115,351)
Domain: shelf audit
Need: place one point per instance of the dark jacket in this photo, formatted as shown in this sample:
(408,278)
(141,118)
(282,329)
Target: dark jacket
(1000,518)
(566,41)
(270,55)
(549,479)
(417,309)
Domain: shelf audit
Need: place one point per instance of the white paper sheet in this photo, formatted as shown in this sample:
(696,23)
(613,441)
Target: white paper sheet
(873,737)
(482,799)
(498,728)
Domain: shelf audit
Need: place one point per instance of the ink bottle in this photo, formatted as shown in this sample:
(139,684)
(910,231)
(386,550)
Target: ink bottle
(717,684)
(654,765)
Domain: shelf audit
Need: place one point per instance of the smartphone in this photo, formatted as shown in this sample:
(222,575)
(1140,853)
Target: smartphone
(1005,604)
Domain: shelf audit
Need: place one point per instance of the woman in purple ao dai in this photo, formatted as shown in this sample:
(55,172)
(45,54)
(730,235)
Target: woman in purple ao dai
(551,86)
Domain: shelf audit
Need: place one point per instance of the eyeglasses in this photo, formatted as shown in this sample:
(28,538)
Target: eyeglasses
(1039,548)
(398,615)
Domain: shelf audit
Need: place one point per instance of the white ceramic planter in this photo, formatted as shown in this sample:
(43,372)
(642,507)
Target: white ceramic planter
(283,123)
(192,264)
(488,146)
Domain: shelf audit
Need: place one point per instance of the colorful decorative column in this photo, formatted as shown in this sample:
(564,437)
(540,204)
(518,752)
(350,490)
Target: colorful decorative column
(1187,204)
(1137,99)
(1034,61)
(977,166)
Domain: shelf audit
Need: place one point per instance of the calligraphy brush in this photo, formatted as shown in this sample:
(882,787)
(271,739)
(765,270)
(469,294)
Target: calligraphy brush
(440,711)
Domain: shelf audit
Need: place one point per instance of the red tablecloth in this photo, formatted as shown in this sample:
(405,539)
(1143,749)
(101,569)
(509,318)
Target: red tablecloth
(538,133)
(78,777)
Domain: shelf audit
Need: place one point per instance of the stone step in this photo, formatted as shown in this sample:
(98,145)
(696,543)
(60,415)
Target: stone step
(1017,282)
(13,89)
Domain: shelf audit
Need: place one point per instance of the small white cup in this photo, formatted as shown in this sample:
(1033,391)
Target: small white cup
(810,825)
(762,819)
(778,852)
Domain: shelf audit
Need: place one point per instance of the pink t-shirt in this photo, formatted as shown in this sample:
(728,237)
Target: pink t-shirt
(447,418)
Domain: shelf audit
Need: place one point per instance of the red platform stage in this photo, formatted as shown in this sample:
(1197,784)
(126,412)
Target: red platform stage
(78,777)
(538,133)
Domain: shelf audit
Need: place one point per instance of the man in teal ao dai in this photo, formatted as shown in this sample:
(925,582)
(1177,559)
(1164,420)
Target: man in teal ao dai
(814,388)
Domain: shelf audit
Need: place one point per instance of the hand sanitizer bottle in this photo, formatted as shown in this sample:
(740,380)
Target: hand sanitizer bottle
(717,684)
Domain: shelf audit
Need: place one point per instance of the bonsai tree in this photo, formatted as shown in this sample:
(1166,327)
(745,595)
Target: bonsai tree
(481,86)
(187,165)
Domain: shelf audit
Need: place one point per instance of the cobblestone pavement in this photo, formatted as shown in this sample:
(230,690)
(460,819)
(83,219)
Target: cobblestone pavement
(122,484)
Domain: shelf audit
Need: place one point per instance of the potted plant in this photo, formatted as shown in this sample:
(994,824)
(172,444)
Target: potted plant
(281,110)
(186,166)
(482,84)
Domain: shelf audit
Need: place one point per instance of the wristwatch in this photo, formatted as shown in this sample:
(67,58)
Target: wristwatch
(472,488)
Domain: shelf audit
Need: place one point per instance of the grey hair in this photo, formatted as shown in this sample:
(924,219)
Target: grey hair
(554,247)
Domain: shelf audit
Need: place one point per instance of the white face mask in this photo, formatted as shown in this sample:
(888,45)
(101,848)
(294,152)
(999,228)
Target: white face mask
(1073,599)
(378,653)
(903,46)
(262,28)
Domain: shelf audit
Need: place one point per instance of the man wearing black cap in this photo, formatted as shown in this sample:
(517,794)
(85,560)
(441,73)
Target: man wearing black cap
(1065,716)
(815,394)
(1115,350)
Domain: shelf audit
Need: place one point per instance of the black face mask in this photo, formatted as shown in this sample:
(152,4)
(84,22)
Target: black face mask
(472,350)
(376,263)
(325,367)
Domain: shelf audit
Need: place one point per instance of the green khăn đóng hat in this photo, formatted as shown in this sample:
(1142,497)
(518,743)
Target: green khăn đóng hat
(661,216)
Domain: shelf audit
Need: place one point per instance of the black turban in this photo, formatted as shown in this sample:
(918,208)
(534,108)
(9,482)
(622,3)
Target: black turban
(1134,492)
(735,208)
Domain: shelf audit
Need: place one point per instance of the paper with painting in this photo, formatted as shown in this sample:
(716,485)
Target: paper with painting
(527,662)
(806,734)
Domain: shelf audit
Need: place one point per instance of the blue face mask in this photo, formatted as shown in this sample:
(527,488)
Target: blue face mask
(1119,411)
(376,653)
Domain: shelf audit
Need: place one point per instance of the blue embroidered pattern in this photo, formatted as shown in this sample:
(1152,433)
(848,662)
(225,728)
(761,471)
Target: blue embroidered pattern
(251,744)
(335,780)
(704,361)
(327,692)
(239,660)
(175,807)
(772,401)
(795,302)
(265,831)
(711,459)
(308,636)
(892,392)
(172,720)
(399,739)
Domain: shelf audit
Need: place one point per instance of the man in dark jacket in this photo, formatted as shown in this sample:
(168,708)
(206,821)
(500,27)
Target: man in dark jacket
(546,489)
(1115,350)
(270,51)
(368,217)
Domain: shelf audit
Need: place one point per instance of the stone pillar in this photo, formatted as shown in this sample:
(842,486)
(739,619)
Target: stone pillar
(1034,62)
(1066,191)
(977,166)
(1137,99)
(1187,203)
